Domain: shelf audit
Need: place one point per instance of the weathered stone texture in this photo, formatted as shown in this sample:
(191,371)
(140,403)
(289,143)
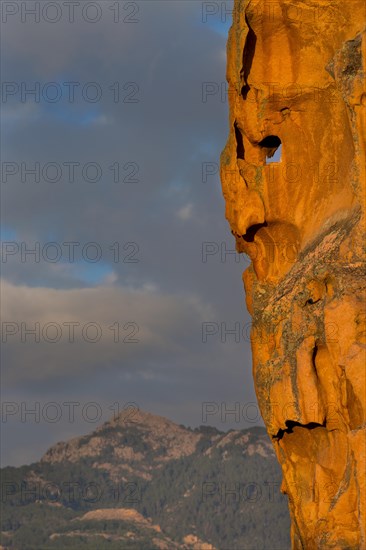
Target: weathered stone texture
(296,73)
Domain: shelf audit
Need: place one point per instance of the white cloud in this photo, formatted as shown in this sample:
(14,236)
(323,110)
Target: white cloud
(185,213)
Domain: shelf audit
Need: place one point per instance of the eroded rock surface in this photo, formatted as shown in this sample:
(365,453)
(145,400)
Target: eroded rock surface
(293,177)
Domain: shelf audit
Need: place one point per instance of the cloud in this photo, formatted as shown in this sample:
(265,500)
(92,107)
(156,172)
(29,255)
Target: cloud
(150,193)
(51,333)
(185,213)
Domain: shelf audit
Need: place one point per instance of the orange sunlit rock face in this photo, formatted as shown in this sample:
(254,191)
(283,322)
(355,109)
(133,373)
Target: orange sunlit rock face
(293,177)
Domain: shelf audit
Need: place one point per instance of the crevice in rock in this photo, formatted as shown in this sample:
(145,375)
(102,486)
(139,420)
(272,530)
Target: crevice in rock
(310,301)
(313,357)
(252,230)
(239,142)
(291,424)
(248,55)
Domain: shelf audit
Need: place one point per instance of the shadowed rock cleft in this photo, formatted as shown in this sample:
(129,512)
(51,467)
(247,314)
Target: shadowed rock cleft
(248,54)
(239,142)
(252,231)
(290,426)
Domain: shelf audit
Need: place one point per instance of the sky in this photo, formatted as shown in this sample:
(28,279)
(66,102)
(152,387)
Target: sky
(119,282)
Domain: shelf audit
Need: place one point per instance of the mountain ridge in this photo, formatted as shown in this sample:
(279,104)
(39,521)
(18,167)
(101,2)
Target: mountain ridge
(201,488)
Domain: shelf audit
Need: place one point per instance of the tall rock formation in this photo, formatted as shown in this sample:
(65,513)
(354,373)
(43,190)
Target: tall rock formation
(293,177)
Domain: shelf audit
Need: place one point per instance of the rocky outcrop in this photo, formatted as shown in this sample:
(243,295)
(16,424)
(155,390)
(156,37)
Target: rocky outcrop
(164,440)
(141,530)
(293,177)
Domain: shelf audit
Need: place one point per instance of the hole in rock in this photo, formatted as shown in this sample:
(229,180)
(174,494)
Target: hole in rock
(270,141)
(273,148)
(239,142)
